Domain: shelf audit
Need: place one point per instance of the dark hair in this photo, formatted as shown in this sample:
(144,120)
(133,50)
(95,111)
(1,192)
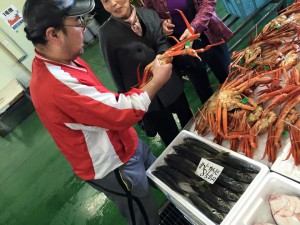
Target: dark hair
(41,38)
(39,15)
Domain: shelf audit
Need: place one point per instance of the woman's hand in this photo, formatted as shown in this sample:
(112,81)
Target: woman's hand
(168,27)
(185,34)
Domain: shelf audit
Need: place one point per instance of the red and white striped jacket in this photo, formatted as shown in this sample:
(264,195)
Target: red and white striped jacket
(91,125)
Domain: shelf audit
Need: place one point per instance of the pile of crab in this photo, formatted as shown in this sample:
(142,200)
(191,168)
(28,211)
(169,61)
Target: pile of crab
(262,92)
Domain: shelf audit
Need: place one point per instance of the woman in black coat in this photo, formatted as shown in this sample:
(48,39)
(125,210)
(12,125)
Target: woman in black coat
(124,50)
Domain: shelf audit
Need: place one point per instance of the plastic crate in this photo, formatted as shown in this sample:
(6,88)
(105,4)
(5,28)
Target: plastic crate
(194,215)
(243,8)
(257,209)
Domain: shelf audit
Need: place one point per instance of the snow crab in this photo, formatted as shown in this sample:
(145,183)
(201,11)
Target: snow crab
(261,93)
(181,48)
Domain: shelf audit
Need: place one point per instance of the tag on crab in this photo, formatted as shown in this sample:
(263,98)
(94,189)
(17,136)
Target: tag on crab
(208,170)
(285,133)
(245,101)
(187,44)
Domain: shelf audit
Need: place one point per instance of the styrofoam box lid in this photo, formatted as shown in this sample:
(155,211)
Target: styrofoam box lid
(256,209)
(285,166)
(183,204)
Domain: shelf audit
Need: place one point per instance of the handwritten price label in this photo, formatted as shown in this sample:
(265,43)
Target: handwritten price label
(208,170)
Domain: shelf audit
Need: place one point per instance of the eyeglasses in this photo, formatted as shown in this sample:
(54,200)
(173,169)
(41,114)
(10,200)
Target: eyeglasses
(84,21)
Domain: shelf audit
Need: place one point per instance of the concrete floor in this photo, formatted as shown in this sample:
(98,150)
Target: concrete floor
(37,185)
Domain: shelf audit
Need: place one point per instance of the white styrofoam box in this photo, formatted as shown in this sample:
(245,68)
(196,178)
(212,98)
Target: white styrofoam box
(183,204)
(256,209)
(285,166)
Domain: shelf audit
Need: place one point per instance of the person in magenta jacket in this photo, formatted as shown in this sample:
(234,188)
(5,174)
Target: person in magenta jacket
(203,18)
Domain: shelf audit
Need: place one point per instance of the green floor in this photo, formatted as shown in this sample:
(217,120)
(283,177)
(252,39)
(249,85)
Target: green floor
(37,185)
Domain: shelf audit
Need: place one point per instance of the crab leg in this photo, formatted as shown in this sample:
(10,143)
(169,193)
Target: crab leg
(280,99)
(295,146)
(186,51)
(271,95)
(209,46)
(295,76)
(261,80)
(188,25)
(270,148)
(174,38)
(224,118)
(181,44)
(280,124)
(218,117)
(235,82)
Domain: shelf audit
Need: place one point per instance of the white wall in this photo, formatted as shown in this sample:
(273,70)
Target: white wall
(10,39)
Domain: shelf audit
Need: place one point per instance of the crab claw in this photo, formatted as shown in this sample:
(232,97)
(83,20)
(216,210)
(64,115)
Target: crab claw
(192,52)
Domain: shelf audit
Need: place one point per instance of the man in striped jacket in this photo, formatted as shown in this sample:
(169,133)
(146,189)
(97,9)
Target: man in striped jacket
(91,125)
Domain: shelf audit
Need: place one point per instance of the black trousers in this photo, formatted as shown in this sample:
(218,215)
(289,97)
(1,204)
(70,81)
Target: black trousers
(217,58)
(164,122)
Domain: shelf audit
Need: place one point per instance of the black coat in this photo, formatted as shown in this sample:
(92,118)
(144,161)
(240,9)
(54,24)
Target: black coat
(124,50)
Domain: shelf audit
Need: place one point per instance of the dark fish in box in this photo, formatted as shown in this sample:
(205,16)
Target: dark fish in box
(230,184)
(176,174)
(195,156)
(234,173)
(222,192)
(189,154)
(199,151)
(239,164)
(165,178)
(213,200)
(226,158)
(195,142)
(206,209)
(183,165)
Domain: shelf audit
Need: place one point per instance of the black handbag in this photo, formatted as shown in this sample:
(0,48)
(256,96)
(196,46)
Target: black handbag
(148,128)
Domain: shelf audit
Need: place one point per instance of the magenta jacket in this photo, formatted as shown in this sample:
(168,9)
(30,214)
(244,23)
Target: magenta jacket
(206,19)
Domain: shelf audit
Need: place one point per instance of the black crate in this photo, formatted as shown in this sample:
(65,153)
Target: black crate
(15,114)
(170,215)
